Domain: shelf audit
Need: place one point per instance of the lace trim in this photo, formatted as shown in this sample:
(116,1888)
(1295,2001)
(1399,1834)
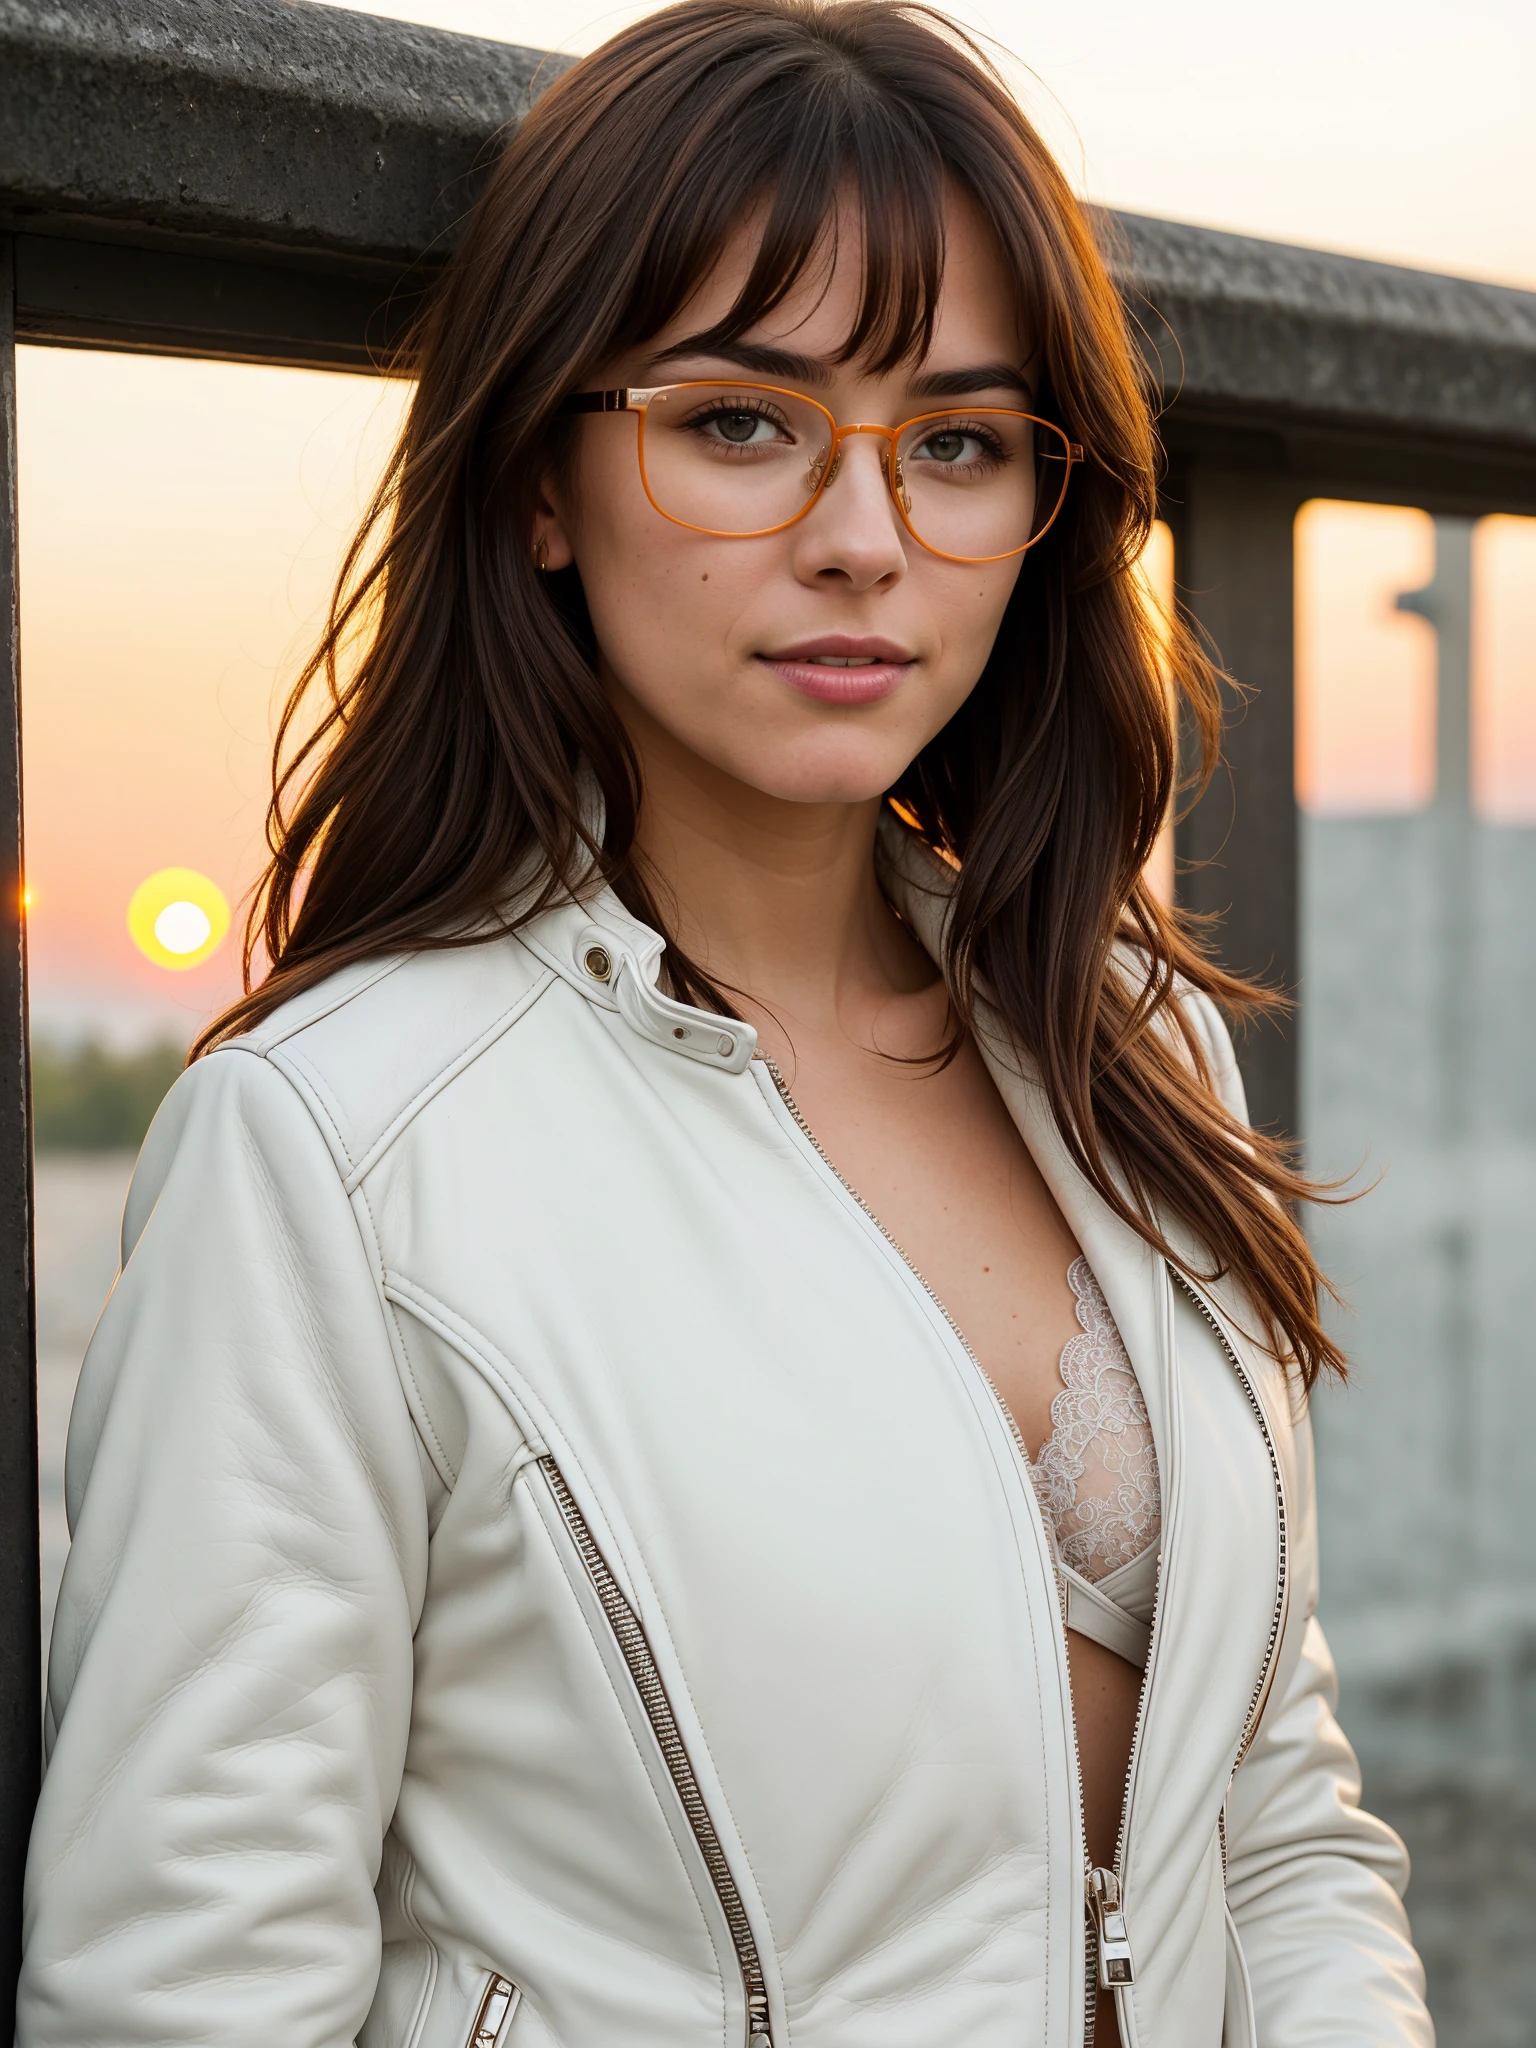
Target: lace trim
(1097,1477)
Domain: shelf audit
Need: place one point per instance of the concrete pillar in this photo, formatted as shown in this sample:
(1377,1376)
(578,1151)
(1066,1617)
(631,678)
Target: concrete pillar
(1237,851)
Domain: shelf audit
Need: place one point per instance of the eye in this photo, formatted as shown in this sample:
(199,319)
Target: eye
(947,446)
(737,427)
(734,425)
(953,446)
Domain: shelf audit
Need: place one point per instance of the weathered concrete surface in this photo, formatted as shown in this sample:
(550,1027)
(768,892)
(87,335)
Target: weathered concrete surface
(1245,323)
(265,121)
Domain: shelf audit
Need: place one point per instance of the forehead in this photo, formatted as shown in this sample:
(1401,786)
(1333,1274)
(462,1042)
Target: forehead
(976,309)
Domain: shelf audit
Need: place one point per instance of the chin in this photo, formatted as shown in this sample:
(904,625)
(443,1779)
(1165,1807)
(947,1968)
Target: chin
(848,768)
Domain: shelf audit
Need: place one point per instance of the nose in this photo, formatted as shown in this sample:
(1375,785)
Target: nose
(853,532)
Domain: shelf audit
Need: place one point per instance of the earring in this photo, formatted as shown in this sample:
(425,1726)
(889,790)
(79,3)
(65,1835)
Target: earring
(541,555)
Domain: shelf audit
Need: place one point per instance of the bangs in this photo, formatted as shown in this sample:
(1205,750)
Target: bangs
(792,150)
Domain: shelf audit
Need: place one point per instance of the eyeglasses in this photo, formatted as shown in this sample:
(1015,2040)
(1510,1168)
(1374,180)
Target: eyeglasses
(971,483)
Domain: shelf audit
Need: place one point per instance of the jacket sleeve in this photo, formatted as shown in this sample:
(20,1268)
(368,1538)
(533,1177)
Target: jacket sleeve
(230,1677)
(1314,1883)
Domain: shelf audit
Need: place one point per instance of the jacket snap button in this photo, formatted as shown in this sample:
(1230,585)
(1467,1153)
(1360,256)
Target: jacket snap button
(679,1031)
(725,1047)
(596,962)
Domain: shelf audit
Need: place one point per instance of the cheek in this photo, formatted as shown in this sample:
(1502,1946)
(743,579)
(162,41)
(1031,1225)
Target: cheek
(612,522)
(623,552)
(968,609)
(992,586)
(656,592)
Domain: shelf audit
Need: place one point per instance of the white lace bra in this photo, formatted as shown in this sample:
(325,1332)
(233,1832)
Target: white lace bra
(1097,1482)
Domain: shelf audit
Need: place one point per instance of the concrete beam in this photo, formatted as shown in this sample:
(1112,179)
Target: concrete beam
(284,133)
(1341,360)
(268,123)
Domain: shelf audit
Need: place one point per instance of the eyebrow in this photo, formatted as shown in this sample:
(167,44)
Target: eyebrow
(762,359)
(975,377)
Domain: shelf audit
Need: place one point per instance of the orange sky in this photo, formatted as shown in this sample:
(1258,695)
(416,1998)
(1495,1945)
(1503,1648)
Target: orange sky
(1504,669)
(1365,672)
(180,526)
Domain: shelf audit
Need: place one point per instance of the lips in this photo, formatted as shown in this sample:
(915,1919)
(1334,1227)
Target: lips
(842,668)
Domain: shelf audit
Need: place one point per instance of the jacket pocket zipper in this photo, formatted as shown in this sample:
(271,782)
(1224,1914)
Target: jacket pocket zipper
(636,1652)
(491,2015)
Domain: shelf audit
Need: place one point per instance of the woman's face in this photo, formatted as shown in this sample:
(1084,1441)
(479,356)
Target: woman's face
(814,663)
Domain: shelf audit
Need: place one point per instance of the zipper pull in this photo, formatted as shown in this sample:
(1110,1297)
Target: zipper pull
(491,2017)
(1115,1966)
(758,2035)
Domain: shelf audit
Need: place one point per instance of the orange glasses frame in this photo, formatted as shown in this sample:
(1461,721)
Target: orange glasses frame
(637,399)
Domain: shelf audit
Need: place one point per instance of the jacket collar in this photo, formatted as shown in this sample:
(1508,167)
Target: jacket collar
(615,962)
(593,942)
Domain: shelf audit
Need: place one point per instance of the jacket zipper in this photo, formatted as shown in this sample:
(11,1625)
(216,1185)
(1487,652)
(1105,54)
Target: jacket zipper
(491,2015)
(1092,1945)
(1109,1939)
(1093,1966)
(1114,1964)
(1261,1689)
(1266,1676)
(637,1655)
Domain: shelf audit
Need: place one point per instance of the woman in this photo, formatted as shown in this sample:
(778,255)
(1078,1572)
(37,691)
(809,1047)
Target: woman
(547,1569)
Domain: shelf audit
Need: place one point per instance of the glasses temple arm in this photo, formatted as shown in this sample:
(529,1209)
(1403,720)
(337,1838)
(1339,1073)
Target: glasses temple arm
(596,401)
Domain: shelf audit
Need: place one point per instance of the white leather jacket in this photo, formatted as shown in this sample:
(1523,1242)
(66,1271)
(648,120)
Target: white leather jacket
(546,1572)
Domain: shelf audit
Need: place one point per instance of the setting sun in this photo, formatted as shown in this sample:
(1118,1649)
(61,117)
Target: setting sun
(177,917)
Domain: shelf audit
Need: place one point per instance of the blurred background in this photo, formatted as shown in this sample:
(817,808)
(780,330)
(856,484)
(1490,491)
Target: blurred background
(181,523)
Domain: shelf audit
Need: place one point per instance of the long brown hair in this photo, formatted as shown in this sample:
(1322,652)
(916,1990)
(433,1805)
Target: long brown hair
(461,692)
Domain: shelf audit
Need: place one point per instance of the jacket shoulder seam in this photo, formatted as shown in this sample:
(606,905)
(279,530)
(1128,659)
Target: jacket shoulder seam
(443,1076)
(265,1038)
(321,1112)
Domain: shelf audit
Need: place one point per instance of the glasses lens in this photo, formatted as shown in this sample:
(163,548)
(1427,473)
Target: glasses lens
(981,483)
(732,458)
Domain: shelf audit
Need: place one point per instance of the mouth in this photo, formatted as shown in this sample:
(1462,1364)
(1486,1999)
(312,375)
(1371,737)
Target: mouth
(842,668)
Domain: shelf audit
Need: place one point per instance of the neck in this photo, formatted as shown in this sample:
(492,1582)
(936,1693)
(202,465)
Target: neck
(776,900)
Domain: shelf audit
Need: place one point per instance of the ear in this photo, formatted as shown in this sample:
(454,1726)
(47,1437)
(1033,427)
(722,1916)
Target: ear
(551,536)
